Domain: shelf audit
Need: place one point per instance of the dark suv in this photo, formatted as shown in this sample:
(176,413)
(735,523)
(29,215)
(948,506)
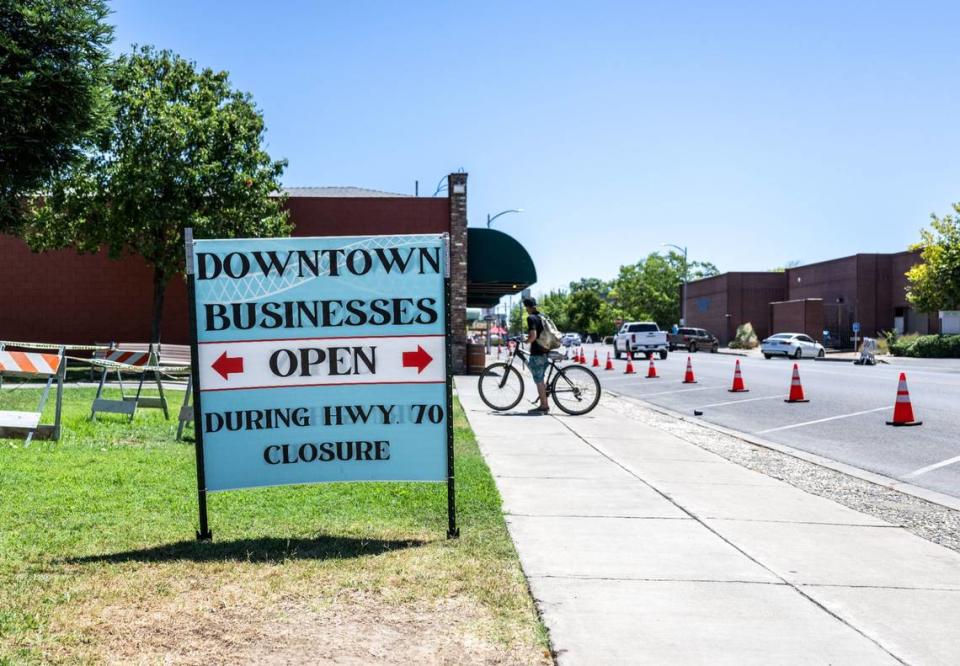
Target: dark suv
(692,339)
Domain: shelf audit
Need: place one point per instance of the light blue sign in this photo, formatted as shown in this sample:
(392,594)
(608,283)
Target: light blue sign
(321,359)
(856,327)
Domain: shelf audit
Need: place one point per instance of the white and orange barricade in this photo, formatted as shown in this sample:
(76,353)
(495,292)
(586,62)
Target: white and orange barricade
(29,364)
(141,360)
(179,357)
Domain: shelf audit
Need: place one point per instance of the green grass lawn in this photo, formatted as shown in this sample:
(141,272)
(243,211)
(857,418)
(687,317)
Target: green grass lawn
(98,560)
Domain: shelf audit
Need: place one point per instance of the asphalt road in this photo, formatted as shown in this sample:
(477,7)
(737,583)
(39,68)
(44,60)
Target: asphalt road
(844,420)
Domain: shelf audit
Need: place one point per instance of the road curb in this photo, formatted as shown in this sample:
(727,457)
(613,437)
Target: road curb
(931,496)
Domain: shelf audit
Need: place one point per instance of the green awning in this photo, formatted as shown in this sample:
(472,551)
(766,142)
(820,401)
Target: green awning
(497,265)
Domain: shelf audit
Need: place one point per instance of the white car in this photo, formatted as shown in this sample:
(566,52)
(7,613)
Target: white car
(571,340)
(793,345)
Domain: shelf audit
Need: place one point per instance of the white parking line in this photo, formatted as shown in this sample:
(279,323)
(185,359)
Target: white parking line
(700,388)
(737,402)
(930,468)
(829,418)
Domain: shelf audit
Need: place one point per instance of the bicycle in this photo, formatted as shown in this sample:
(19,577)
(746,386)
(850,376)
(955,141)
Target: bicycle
(574,388)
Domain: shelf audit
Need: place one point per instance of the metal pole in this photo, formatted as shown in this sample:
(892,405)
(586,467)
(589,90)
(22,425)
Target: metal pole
(683,305)
(204,533)
(452,530)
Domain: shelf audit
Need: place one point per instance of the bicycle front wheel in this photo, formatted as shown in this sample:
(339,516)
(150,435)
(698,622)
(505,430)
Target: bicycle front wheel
(575,390)
(501,386)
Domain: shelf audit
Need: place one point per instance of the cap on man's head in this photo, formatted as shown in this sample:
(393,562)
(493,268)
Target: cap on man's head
(529,302)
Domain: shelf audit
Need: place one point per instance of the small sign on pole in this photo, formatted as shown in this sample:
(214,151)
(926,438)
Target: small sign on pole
(319,360)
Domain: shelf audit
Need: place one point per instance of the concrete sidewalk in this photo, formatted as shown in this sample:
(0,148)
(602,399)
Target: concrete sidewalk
(641,548)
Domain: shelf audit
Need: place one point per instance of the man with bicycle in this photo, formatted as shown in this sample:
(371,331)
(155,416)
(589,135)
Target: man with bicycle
(537,361)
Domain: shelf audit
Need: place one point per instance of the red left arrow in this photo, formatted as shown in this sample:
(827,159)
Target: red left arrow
(225,365)
(417,359)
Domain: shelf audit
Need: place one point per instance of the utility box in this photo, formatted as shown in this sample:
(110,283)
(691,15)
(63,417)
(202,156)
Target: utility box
(950,322)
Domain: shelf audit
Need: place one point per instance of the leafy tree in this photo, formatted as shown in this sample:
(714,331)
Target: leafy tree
(53,93)
(607,318)
(584,310)
(600,287)
(554,304)
(183,149)
(518,320)
(650,288)
(934,284)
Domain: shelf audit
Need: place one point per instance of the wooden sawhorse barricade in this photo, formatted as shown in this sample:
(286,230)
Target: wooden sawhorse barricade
(33,364)
(138,361)
(186,409)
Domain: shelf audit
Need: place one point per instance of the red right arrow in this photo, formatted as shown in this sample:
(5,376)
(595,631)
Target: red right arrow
(225,365)
(417,359)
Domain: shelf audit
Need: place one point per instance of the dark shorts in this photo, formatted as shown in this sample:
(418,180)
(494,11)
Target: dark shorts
(538,367)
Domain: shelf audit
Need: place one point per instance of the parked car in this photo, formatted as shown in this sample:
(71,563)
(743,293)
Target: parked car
(571,340)
(692,339)
(640,337)
(795,345)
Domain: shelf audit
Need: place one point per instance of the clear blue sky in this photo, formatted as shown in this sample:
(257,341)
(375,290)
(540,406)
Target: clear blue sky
(754,132)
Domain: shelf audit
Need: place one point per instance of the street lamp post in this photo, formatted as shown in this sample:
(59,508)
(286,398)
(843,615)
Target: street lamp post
(509,304)
(683,299)
(503,212)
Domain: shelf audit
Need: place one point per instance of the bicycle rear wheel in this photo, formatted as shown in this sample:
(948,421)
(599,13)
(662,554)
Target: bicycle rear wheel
(575,390)
(501,386)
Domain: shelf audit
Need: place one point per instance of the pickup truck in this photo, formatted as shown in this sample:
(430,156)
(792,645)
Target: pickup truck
(693,339)
(640,337)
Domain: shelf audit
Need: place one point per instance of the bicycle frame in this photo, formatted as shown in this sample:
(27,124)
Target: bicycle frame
(518,352)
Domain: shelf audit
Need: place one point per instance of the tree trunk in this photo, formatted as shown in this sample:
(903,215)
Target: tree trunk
(159,291)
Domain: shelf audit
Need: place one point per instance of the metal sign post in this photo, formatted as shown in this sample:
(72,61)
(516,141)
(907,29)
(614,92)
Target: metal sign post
(204,533)
(452,530)
(321,360)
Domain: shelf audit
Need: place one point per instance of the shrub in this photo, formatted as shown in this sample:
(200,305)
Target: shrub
(925,346)
(901,345)
(883,345)
(745,338)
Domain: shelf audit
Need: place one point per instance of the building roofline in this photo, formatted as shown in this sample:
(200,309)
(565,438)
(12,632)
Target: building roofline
(341,192)
(810,265)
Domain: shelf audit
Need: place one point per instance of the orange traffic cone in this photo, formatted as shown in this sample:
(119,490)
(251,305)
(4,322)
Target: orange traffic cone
(796,388)
(609,365)
(652,370)
(902,408)
(596,360)
(738,386)
(583,357)
(688,377)
(629,370)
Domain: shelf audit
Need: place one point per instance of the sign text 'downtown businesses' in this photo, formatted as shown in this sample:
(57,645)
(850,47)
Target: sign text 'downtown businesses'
(321,359)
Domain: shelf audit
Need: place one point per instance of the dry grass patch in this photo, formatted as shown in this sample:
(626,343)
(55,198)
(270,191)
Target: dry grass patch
(97,564)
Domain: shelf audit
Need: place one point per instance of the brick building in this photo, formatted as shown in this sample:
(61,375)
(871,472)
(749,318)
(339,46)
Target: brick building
(68,297)
(828,295)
